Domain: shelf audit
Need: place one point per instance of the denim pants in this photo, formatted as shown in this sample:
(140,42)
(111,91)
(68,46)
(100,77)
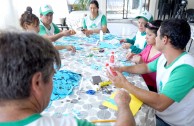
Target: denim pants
(160,122)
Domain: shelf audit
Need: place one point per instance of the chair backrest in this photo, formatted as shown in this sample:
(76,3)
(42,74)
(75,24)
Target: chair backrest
(190,15)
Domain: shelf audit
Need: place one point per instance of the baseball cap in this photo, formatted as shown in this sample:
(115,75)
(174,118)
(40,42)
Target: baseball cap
(45,9)
(146,15)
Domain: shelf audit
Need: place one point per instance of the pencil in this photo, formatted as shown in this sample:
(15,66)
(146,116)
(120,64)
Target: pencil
(103,121)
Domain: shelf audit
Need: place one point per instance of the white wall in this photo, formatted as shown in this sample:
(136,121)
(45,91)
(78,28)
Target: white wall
(126,30)
(190,4)
(11,10)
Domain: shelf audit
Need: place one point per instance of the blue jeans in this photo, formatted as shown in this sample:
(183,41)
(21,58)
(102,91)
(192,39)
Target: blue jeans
(160,122)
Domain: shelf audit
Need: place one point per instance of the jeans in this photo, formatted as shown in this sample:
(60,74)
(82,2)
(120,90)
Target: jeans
(160,122)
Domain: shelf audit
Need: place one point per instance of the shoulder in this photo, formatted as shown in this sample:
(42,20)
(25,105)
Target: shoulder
(62,121)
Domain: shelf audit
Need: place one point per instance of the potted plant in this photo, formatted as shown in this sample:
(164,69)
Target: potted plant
(81,4)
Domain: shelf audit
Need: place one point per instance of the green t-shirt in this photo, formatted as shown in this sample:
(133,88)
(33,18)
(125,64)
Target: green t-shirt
(180,80)
(103,22)
(53,30)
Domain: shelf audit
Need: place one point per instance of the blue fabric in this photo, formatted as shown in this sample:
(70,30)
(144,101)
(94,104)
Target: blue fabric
(96,67)
(105,36)
(76,45)
(63,83)
(71,38)
(108,45)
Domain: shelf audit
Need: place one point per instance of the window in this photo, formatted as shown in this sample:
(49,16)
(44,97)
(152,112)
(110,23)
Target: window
(124,9)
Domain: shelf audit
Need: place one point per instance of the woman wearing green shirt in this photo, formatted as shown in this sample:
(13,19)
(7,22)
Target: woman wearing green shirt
(96,21)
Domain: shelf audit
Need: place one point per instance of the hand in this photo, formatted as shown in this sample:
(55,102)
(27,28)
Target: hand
(126,45)
(129,55)
(88,32)
(70,48)
(122,40)
(116,69)
(137,59)
(66,33)
(72,32)
(119,80)
(122,98)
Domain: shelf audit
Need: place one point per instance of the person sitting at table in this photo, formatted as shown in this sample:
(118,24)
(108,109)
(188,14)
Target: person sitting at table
(175,71)
(30,22)
(96,21)
(138,43)
(47,28)
(28,63)
(149,53)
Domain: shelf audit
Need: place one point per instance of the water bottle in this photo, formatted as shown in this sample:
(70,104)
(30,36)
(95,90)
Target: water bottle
(112,59)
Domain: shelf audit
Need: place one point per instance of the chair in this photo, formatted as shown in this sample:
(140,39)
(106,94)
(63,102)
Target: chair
(190,15)
(165,10)
(63,24)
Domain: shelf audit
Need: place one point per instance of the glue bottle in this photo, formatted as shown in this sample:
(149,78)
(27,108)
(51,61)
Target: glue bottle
(112,59)
(111,71)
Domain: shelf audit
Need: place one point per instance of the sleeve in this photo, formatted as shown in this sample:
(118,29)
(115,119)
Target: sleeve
(135,49)
(103,20)
(42,30)
(131,41)
(84,24)
(84,123)
(152,66)
(57,30)
(180,83)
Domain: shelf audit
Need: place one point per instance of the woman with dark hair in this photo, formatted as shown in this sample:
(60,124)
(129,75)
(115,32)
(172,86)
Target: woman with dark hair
(96,21)
(149,53)
(30,22)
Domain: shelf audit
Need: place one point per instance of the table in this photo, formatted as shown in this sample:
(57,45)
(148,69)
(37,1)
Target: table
(85,106)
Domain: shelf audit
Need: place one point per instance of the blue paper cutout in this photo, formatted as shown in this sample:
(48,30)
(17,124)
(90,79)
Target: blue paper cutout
(63,83)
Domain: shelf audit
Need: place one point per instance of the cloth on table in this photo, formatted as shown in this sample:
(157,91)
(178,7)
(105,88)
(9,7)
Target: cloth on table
(63,83)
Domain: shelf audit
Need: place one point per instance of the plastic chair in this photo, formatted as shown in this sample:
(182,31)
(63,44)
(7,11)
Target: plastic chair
(63,24)
(190,15)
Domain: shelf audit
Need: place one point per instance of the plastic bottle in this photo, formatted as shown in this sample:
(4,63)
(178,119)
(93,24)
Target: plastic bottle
(111,71)
(112,59)
(101,35)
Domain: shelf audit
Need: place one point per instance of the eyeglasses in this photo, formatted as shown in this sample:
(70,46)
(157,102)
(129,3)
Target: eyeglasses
(151,25)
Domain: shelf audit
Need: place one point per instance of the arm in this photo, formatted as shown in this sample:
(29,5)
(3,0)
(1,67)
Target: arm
(125,116)
(137,59)
(103,27)
(55,37)
(136,69)
(68,47)
(131,41)
(139,68)
(104,24)
(157,101)
(136,49)
(180,83)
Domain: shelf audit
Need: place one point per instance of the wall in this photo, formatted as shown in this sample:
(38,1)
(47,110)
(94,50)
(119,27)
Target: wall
(11,10)
(190,4)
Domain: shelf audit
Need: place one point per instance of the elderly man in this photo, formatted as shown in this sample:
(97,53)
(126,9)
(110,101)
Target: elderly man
(28,63)
(175,72)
